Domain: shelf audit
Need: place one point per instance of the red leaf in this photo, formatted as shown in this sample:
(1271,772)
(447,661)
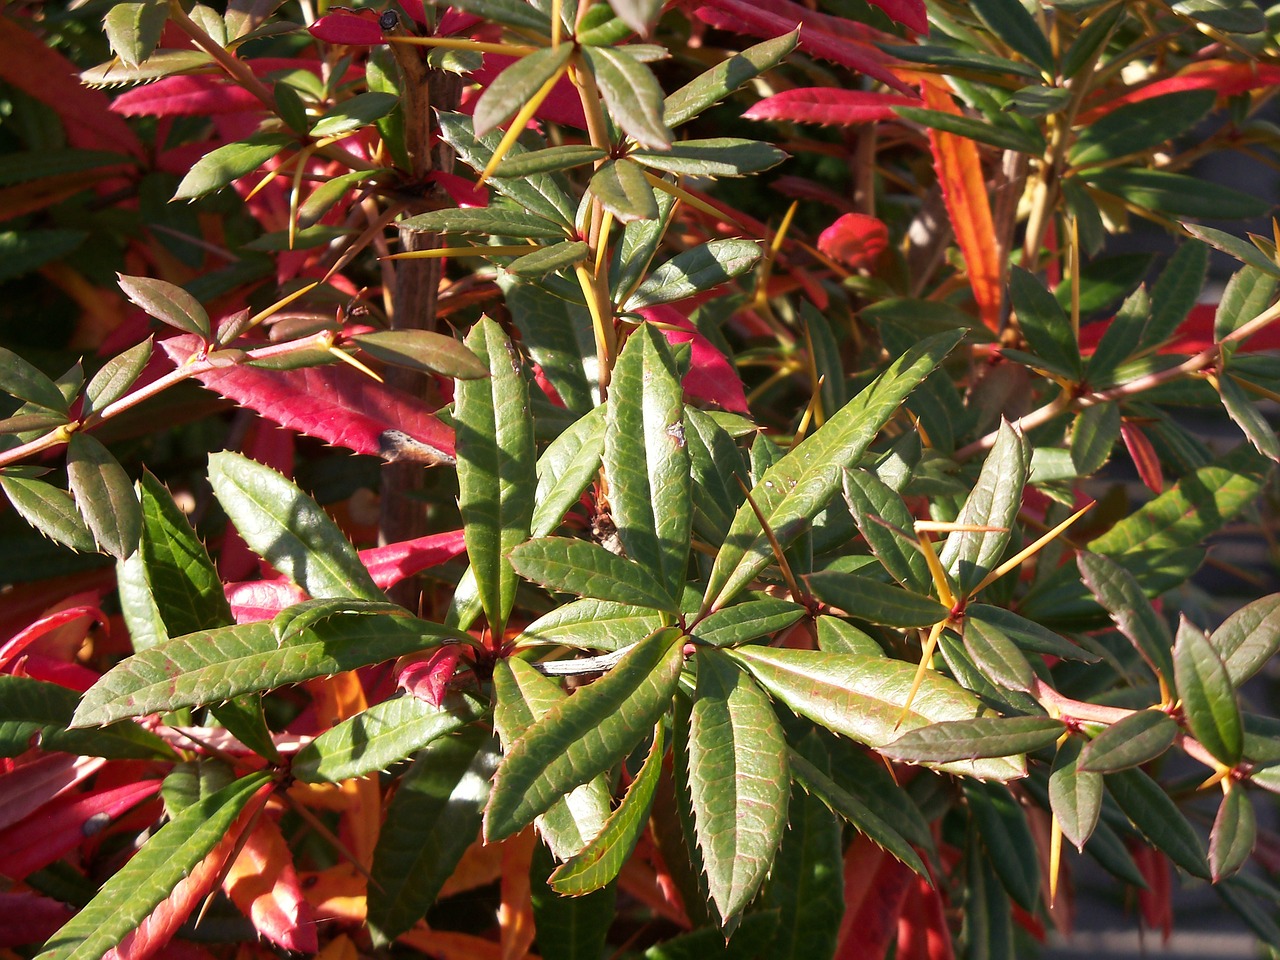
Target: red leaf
(185,96)
(59,827)
(959,168)
(1229,79)
(1143,455)
(562,105)
(875,888)
(264,885)
(30,918)
(426,677)
(64,674)
(830,105)
(909,13)
(332,403)
(25,638)
(832,38)
(711,377)
(261,599)
(855,239)
(390,564)
(29,786)
(460,190)
(922,927)
(1156,900)
(351,29)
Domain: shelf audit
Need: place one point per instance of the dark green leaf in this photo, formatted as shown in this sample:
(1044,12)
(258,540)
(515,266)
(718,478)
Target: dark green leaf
(1249,638)
(1208,697)
(1074,794)
(573,927)
(631,94)
(20,379)
(1139,737)
(996,655)
(513,13)
(1235,829)
(558,337)
(24,251)
(938,55)
(979,738)
(1043,322)
(1244,411)
(116,377)
(744,622)
(726,77)
(126,900)
(550,160)
(292,622)
(1093,435)
(1010,846)
(516,86)
(1089,41)
(36,712)
(566,467)
(1177,194)
(719,474)
(50,510)
(133,29)
(432,819)
(988,919)
(1176,291)
(866,599)
(104,496)
(622,189)
(497,220)
(168,303)
(549,259)
(1005,137)
(423,350)
(1149,807)
(715,157)
(288,529)
(694,271)
(589,570)
(1122,596)
(871,500)
(227,164)
(382,735)
(586,735)
(1140,126)
(1232,16)
(1010,21)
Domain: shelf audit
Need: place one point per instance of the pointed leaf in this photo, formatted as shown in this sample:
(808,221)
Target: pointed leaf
(862,698)
(725,77)
(1242,409)
(803,482)
(1118,591)
(549,259)
(1010,21)
(571,928)
(104,496)
(288,529)
(694,271)
(432,819)
(549,160)
(1248,293)
(866,599)
(586,735)
(133,29)
(22,380)
(1138,738)
(806,883)
(997,656)
(1075,795)
(589,570)
(1137,127)
(1233,246)
(1093,436)
(32,708)
(496,473)
(1003,829)
(1177,195)
(498,221)
(714,157)
(568,464)
(1235,830)
(829,105)
(1149,807)
(646,459)
(1027,634)
(50,510)
(870,499)
(1248,638)
(743,622)
(115,378)
(594,625)
(215,665)
(168,303)
(1208,697)
(975,739)
(631,94)
(227,164)
(263,883)
(516,85)
(423,350)
(738,781)
(622,189)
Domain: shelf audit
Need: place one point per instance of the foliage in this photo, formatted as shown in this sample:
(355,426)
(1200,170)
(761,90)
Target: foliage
(737,587)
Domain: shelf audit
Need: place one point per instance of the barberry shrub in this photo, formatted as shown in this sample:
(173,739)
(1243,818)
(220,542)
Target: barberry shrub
(721,388)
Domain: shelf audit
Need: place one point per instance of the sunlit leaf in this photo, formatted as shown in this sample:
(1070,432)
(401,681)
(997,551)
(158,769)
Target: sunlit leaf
(1138,738)
(1075,795)
(589,570)
(168,303)
(1208,696)
(974,739)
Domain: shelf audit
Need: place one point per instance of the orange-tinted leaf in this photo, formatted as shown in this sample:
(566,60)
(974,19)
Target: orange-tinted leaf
(339,948)
(515,914)
(1144,456)
(479,866)
(1223,76)
(856,240)
(26,640)
(959,169)
(337,893)
(263,884)
(30,918)
(875,888)
(448,945)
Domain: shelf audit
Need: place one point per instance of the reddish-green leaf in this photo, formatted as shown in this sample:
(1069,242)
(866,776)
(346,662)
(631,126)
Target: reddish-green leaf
(1119,592)
(168,303)
(586,735)
(1235,830)
(866,599)
(116,377)
(997,656)
(1139,737)
(1208,696)
(738,781)
(423,350)
(1242,409)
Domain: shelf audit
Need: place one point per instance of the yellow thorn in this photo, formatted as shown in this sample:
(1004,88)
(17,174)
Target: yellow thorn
(925,656)
(279,305)
(271,175)
(606,224)
(512,250)
(812,413)
(1275,233)
(555,23)
(776,243)
(1017,559)
(1073,263)
(520,122)
(1055,859)
(300,166)
(348,358)
(940,582)
(942,526)
(924,434)
(597,321)
(455,43)
(686,197)
(761,296)
(1217,776)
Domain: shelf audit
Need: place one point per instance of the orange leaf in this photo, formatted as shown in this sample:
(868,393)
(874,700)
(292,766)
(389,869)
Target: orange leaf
(855,239)
(515,914)
(959,169)
(1228,78)
(263,884)
(339,948)
(479,866)
(448,945)
(338,893)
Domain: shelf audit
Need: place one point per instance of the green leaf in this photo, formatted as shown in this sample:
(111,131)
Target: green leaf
(622,189)
(969,556)
(497,220)
(640,240)
(1249,638)
(586,735)
(382,735)
(104,496)
(126,900)
(516,86)
(872,500)
(496,477)
(708,943)
(1093,435)
(997,656)
(522,696)
(866,599)
(631,94)
(1232,16)
(744,622)
(320,200)
(569,463)
(549,160)
(1088,42)
(840,636)
(1011,849)
(431,820)
(1243,410)
(50,510)
(979,738)
(116,377)
(20,379)
(1152,811)
(569,928)
(797,487)
(1235,830)
(714,157)
(862,698)
(589,570)
(292,622)
(1122,596)
(350,115)
(558,337)
(168,303)
(694,271)
(1233,246)
(133,29)
(1138,738)
(1010,21)
(1006,137)
(1140,126)
(938,55)
(423,350)
(738,781)
(183,580)
(1208,697)
(1248,293)
(725,77)
(1075,795)
(646,459)
(1027,634)
(602,859)
(33,711)
(719,475)
(1176,194)
(549,259)
(215,665)
(227,164)
(639,15)
(1043,322)
(1122,337)
(594,625)
(288,529)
